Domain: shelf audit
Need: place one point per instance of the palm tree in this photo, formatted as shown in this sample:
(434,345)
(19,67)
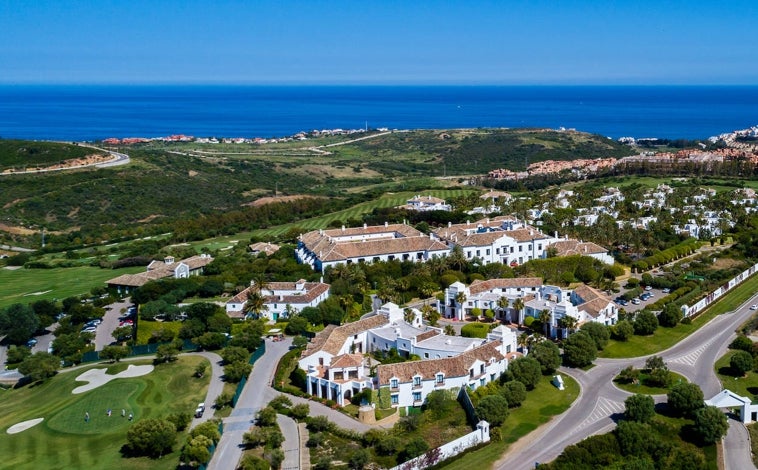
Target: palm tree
(256,304)
(518,305)
(460,299)
(449,330)
(523,341)
(569,323)
(545,317)
(502,304)
(430,314)
(409,316)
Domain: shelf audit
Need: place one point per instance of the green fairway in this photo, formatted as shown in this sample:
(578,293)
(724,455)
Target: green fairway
(28,285)
(64,440)
(540,406)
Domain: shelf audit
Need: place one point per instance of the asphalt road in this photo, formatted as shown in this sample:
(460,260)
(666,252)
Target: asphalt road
(103,336)
(600,403)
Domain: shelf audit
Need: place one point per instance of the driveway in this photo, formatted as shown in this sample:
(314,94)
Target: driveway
(215,387)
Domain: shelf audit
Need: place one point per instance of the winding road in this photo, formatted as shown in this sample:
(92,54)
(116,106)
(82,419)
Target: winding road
(600,402)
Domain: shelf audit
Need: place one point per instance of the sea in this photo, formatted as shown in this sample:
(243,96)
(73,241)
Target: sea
(94,112)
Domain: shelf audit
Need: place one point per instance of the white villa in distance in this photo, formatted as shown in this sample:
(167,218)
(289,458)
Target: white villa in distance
(426,203)
(584,304)
(282,298)
(169,267)
(337,370)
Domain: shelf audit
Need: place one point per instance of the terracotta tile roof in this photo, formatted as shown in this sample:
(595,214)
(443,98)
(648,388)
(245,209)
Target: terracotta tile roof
(317,342)
(457,366)
(575,247)
(427,335)
(594,300)
(334,338)
(130,280)
(265,247)
(337,251)
(479,286)
(311,290)
(426,199)
(193,262)
(346,360)
(496,195)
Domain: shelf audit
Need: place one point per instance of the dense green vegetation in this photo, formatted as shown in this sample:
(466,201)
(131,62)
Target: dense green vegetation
(20,154)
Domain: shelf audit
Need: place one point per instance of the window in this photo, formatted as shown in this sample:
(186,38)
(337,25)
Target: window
(417,381)
(477,252)
(394,399)
(520,248)
(393,383)
(508,348)
(426,355)
(440,379)
(481,381)
(416,396)
(539,246)
(511,249)
(488,251)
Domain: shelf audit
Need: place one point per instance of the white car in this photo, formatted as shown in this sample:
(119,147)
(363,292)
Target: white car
(200,410)
(754,307)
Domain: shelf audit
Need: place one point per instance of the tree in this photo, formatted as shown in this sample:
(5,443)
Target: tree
(493,409)
(210,341)
(685,398)
(415,447)
(502,305)
(152,437)
(545,317)
(359,459)
(579,350)
(518,305)
(569,323)
(548,355)
(233,372)
(39,366)
(297,325)
(670,315)
(655,362)
(167,352)
(18,322)
(253,462)
(514,393)
(449,330)
(234,354)
(114,353)
(430,314)
(122,333)
(740,363)
(267,416)
(527,371)
(710,424)
(645,323)
(629,375)
(299,342)
(623,330)
(255,305)
(599,333)
(196,450)
(633,437)
(742,342)
(639,408)
(460,299)
(300,411)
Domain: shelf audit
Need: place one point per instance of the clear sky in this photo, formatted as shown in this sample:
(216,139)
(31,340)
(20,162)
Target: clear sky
(382,41)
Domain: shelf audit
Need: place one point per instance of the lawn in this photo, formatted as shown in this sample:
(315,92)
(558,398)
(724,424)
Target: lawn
(642,387)
(64,440)
(746,386)
(664,338)
(541,405)
(27,285)
(145,329)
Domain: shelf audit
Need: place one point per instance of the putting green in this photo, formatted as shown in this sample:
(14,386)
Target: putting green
(114,396)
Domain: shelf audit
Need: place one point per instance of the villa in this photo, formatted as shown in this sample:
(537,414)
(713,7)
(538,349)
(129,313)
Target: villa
(169,267)
(282,299)
(426,203)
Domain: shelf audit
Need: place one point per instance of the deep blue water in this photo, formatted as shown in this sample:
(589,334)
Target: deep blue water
(95,112)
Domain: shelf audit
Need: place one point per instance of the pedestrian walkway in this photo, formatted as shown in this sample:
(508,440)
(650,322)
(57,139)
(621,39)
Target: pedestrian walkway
(291,445)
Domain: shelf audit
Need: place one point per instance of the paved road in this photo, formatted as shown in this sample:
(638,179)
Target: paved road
(600,403)
(291,445)
(215,387)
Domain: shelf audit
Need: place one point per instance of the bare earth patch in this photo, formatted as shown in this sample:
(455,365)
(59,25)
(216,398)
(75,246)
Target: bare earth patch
(24,425)
(268,200)
(98,377)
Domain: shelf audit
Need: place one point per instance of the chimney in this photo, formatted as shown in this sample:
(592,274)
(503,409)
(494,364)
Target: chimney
(365,226)
(343,228)
(386,224)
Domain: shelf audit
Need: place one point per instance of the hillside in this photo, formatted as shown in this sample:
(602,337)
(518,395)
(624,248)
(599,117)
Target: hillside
(168,183)
(21,154)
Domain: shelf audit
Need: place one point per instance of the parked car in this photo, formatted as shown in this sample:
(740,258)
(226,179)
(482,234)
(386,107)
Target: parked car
(200,410)
(636,301)
(649,288)
(31,342)
(666,290)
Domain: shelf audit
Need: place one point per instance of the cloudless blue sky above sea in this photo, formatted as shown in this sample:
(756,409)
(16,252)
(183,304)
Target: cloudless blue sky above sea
(569,42)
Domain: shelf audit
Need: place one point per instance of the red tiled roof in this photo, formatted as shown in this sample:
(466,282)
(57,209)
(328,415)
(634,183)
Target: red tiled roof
(484,286)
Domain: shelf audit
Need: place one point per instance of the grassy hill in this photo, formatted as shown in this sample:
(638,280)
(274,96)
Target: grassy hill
(169,183)
(18,154)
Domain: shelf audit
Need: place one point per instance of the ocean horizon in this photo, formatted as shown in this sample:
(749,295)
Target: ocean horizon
(95,112)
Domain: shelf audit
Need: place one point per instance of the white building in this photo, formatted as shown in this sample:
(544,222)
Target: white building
(426,203)
(336,370)
(486,295)
(169,267)
(281,298)
(323,248)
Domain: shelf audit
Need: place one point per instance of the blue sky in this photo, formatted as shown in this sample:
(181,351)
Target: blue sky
(375,42)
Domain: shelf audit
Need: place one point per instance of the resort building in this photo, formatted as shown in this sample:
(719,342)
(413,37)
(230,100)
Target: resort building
(169,267)
(460,301)
(282,299)
(336,369)
(263,247)
(323,248)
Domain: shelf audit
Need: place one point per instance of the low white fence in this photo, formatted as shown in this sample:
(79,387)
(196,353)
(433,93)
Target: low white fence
(445,451)
(688,311)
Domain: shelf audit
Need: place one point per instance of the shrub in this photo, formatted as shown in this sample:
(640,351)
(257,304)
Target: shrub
(527,371)
(475,330)
(514,393)
(599,333)
(579,350)
(645,323)
(623,330)
(685,398)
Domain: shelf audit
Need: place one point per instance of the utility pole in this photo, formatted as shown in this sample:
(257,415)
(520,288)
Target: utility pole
(43,237)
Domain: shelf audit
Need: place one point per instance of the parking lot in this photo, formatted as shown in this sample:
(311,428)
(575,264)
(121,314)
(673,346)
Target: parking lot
(649,296)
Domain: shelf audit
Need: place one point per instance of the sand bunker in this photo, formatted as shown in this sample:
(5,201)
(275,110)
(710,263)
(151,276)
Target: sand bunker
(98,377)
(24,425)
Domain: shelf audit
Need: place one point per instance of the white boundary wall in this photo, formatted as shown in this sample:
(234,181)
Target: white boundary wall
(688,311)
(452,448)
